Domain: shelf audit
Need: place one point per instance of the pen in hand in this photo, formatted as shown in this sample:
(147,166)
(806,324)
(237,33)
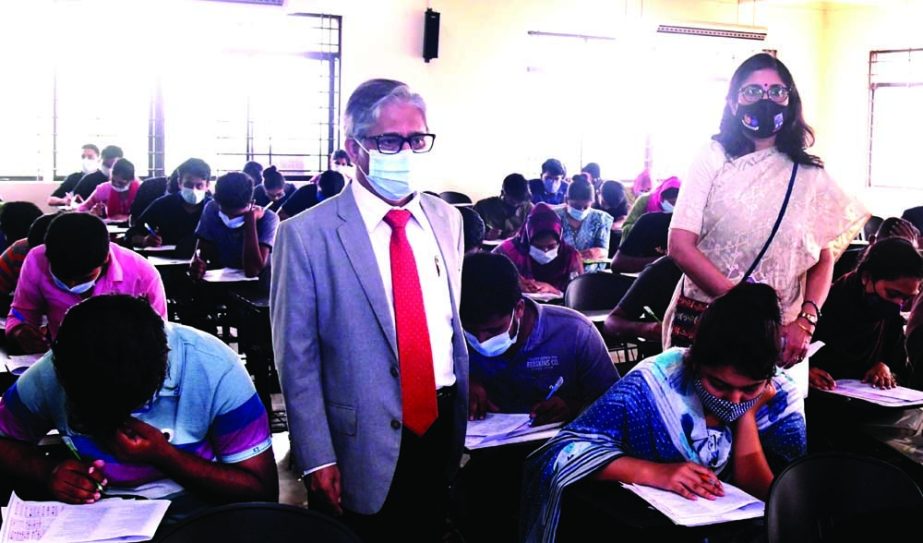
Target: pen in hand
(551,392)
(73,450)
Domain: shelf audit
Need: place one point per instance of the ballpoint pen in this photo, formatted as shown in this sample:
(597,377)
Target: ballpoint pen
(73,450)
(551,391)
(650,313)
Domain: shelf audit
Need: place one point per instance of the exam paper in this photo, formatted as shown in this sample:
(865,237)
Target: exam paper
(895,397)
(734,505)
(104,521)
(227,275)
(506,428)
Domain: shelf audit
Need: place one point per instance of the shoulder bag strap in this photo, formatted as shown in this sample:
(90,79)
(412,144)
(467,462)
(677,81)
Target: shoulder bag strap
(775,227)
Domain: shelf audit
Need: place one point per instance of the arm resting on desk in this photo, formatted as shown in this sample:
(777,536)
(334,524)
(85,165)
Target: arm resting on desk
(618,325)
(687,479)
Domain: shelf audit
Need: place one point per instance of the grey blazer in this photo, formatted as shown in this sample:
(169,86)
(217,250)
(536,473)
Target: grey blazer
(335,345)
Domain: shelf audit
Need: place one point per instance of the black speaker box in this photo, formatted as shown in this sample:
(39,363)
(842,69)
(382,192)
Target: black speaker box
(430,35)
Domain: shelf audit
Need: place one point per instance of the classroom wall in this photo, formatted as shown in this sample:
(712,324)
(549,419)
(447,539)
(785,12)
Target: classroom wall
(475,87)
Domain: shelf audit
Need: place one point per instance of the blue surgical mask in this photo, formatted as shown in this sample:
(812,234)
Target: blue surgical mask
(192,196)
(496,345)
(723,409)
(541,256)
(76,289)
(666,206)
(578,214)
(234,223)
(391,176)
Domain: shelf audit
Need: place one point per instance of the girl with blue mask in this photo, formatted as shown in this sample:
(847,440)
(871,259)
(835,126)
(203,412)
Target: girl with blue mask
(586,229)
(686,421)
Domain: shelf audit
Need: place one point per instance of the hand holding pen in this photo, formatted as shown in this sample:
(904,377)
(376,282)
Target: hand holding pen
(552,408)
(74,481)
(152,239)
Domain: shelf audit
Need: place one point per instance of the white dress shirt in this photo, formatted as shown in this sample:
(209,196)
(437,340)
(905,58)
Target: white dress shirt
(434,281)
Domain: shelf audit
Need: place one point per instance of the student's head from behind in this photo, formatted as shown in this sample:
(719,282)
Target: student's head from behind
(579,197)
(553,173)
(736,347)
(330,184)
(592,170)
(890,271)
(39,228)
(515,190)
(77,249)
(274,183)
(491,304)
(234,193)
(110,155)
(16,218)
(613,195)
(474,228)
(194,177)
(543,232)
(894,227)
(123,173)
(105,382)
(255,171)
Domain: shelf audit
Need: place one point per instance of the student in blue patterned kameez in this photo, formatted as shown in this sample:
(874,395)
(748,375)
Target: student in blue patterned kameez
(683,420)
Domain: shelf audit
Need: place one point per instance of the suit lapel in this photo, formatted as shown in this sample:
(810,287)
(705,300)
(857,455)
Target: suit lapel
(358,248)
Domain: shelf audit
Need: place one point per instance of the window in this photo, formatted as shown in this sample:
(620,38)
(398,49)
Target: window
(895,94)
(223,85)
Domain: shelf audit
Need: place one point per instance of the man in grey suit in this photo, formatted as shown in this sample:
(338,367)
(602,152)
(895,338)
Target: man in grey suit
(366,332)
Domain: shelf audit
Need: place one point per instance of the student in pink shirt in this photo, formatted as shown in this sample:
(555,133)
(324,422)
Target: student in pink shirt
(113,200)
(76,262)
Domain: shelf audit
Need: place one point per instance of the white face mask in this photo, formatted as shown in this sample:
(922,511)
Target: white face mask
(494,346)
(89,165)
(119,189)
(666,206)
(107,170)
(192,196)
(541,256)
(234,223)
(391,176)
(349,172)
(578,214)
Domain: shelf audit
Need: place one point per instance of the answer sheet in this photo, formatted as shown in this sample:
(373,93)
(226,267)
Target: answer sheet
(894,397)
(734,505)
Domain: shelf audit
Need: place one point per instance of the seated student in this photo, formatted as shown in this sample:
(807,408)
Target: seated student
(64,194)
(255,171)
(151,189)
(551,188)
(892,227)
(684,420)
(594,176)
(586,229)
(76,262)
(520,348)
(613,201)
(653,289)
(330,183)
(88,183)
(233,232)
(648,239)
(545,262)
(113,200)
(473,227)
(156,409)
(861,324)
(15,220)
(172,219)
(914,345)
(274,191)
(650,202)
(503,215)
(13,257)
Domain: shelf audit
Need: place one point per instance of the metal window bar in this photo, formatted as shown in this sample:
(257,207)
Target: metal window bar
(889,68)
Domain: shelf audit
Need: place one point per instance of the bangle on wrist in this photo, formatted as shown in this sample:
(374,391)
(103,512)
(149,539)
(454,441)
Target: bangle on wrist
(812,304)
(807,330)
(811,319)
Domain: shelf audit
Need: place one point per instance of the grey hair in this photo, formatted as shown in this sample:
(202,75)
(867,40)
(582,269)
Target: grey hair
(365,103)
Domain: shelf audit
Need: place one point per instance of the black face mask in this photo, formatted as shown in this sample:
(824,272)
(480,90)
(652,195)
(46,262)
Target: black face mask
(762,119)
(879,308)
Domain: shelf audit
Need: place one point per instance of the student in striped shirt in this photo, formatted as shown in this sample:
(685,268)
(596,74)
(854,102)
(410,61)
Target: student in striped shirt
(155,409)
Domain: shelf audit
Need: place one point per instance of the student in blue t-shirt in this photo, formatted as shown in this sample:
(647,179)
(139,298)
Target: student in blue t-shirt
(234,232)
(156,409)
(519,349)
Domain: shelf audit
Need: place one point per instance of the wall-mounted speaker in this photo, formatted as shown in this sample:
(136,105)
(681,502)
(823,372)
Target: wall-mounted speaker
(430,35)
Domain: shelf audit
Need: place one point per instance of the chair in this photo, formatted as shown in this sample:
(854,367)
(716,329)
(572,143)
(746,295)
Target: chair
(453,197)
(594,291)
(262,522)
(840,497)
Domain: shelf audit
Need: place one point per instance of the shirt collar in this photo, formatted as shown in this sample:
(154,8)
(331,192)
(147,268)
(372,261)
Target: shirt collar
(535,336)
(373,209)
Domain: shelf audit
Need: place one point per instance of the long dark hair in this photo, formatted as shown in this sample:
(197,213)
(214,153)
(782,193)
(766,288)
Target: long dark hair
(795,135)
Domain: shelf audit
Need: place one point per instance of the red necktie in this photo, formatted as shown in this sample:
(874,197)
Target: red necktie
(418,385)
